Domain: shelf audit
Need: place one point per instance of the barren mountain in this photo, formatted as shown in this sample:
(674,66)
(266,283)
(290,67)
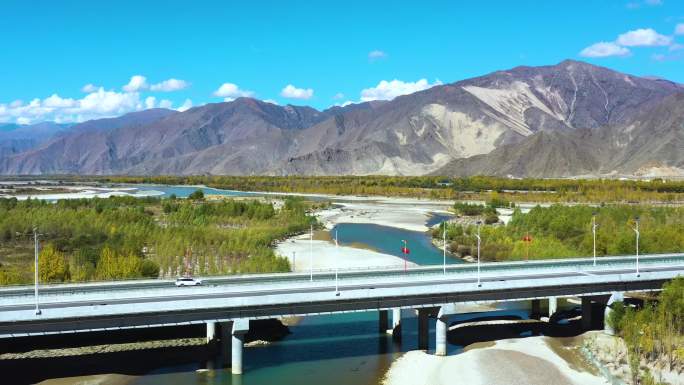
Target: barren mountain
(551,120)
(651,144)
(16,138)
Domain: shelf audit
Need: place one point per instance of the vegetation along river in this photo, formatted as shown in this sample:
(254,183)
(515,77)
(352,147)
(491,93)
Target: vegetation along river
(331,349)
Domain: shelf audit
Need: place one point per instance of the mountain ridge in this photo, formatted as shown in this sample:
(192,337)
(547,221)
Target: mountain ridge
(503,118)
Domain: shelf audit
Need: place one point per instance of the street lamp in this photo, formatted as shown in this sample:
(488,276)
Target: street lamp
(479,240)
(636,231)
(35,252)
(337,291)
(311,254)
(593,230)
(444,224)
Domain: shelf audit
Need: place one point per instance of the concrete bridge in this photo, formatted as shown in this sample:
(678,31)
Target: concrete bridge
(232,301)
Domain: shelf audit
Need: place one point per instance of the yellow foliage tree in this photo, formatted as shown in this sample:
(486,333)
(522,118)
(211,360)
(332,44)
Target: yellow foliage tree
(52,265)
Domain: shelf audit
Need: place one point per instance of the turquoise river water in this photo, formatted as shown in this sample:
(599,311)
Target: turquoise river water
(321,350)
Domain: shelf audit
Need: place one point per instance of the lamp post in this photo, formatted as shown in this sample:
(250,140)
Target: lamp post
(294,260)
(444,247)
(311,254)
(593,230)
(636,231)
(479,240)
(35,252)
(337,291)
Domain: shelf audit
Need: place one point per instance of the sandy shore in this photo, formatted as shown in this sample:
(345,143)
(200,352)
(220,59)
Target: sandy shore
(408,214)
(399,213)
(523,361)
(327,256)
(97,379)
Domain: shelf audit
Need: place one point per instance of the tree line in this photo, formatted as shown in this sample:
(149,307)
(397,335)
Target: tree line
(562,231)
(654,333)
(126,237)
(437,187)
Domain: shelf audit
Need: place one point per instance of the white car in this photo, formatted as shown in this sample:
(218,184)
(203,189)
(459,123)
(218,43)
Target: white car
(187,281)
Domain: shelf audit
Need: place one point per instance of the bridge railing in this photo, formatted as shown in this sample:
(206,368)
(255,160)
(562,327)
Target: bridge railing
(577,264)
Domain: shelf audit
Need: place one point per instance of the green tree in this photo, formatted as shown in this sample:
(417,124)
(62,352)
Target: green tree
(196,195)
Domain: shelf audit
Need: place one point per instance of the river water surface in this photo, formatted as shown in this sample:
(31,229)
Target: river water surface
(322,350)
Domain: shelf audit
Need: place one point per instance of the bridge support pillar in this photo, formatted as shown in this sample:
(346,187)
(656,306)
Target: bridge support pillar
(586,313)
(441,333)
(615,297)
(553,305)
(383,321)
(535,310)
(395,331)
(423,328)
(240,328)
(211,332)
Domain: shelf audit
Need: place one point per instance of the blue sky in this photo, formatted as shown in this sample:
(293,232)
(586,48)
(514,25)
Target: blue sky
(327,53)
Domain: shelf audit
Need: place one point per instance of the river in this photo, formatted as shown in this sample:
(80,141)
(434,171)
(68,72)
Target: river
(333,349)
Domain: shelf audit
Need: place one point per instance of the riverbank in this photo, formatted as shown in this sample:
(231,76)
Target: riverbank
(529,361)
(96,379)
(610,354)
(400,213)
(298,250)
(406,214)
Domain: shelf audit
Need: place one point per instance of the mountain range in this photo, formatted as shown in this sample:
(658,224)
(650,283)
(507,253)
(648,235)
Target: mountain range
(569,119)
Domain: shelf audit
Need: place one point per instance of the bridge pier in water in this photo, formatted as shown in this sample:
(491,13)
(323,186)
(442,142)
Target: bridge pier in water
(535,309)
(211,332)
(383,321)
(396,324)
(240,328)
(442,327)
(553,305)
(423,328)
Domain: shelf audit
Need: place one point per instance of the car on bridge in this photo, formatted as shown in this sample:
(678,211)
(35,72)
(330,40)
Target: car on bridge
(188,281)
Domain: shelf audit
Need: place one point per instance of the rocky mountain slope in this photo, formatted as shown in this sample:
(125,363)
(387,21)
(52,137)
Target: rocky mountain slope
(567,119)
(15,138)
(652,144)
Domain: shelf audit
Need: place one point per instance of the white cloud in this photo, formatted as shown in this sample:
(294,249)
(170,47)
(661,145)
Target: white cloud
(389,90)
(271,101)
(170,85)
(293,92)
(55,101)
(187,104)
(98,104)
(604,49)
(376,55)
(16,103)
(679,29)
(231,91)
(88,88)
(137,83)
(338,96)
(150,102)
(643,37)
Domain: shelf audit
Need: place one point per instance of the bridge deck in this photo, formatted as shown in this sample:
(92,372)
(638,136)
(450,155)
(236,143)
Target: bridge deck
(68,308)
